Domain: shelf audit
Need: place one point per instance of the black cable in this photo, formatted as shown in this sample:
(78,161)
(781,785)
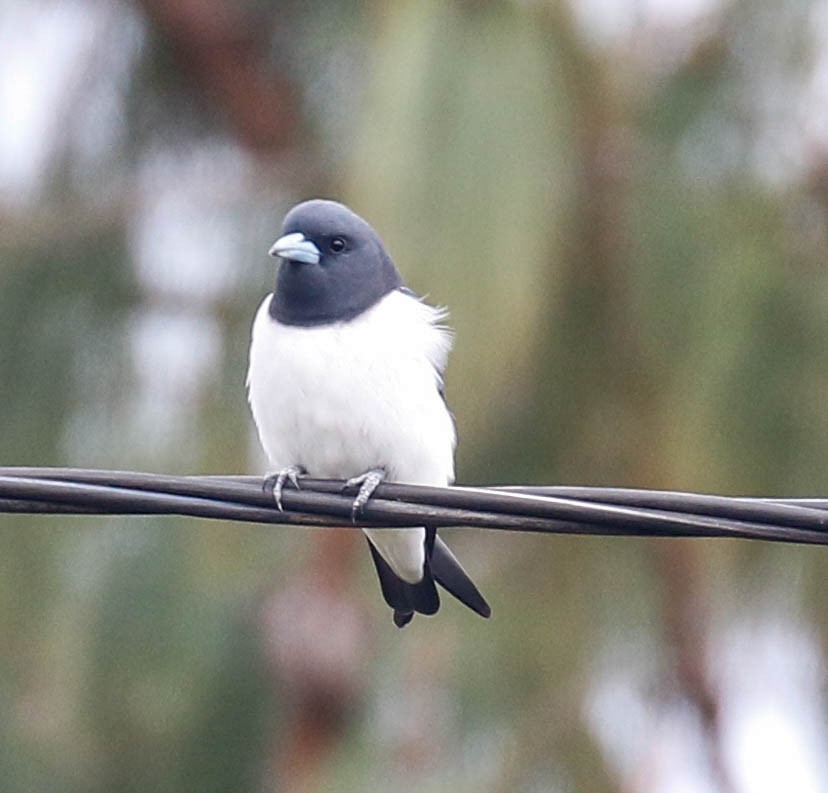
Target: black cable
(563,510)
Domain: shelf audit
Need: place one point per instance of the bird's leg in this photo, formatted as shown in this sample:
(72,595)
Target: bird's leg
(274,483)
(367,484)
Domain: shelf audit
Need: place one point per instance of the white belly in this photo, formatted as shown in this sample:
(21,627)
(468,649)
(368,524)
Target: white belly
(341,399)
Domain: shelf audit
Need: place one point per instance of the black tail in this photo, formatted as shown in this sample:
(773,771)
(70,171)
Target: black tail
(403,597)
(441,566)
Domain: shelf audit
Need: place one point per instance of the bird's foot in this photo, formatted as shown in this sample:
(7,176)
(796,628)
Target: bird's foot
(367,484)
(274,483)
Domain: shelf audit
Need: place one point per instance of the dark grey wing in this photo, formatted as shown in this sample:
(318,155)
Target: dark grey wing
(405,598)
(448,572)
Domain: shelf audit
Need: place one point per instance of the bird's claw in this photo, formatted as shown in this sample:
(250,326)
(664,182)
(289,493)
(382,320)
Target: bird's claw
(367,484)
(274,483)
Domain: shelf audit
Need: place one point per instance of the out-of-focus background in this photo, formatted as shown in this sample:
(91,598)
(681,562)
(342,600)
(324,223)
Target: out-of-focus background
(625,206)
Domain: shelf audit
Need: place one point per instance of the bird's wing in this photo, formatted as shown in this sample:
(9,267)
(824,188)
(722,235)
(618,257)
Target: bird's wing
(449,573)
(400,595)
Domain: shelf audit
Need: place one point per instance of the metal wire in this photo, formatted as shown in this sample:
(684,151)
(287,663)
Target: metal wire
(557,510)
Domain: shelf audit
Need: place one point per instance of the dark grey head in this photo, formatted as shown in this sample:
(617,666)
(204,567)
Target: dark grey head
(333,266)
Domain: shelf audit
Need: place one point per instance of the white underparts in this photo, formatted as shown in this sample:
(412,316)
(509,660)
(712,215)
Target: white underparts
(344,398)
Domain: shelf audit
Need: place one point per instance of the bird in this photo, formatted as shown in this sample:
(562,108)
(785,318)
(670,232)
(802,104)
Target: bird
(345,381)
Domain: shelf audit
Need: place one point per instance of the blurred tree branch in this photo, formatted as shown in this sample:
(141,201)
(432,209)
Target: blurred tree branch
(223,51)
(686,613)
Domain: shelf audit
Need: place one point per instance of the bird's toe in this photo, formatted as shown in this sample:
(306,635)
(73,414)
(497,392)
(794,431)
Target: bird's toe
(275,483)
(367,484)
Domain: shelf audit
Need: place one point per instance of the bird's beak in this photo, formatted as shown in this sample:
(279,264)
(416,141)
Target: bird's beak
(296,248)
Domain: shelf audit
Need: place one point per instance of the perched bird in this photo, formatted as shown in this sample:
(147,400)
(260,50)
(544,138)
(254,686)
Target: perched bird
(345,382)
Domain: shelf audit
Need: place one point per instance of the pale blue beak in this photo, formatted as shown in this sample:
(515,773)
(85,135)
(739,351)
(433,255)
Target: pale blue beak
(296,248)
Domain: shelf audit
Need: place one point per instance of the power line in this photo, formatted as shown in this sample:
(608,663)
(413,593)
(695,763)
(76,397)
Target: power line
(556,510)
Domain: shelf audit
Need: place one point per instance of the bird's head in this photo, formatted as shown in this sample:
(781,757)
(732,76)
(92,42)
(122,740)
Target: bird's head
(333,265)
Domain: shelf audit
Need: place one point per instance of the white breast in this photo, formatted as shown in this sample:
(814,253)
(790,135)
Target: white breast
(343,398)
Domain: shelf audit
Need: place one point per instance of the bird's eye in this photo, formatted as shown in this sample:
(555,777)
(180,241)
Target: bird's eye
(337,244)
